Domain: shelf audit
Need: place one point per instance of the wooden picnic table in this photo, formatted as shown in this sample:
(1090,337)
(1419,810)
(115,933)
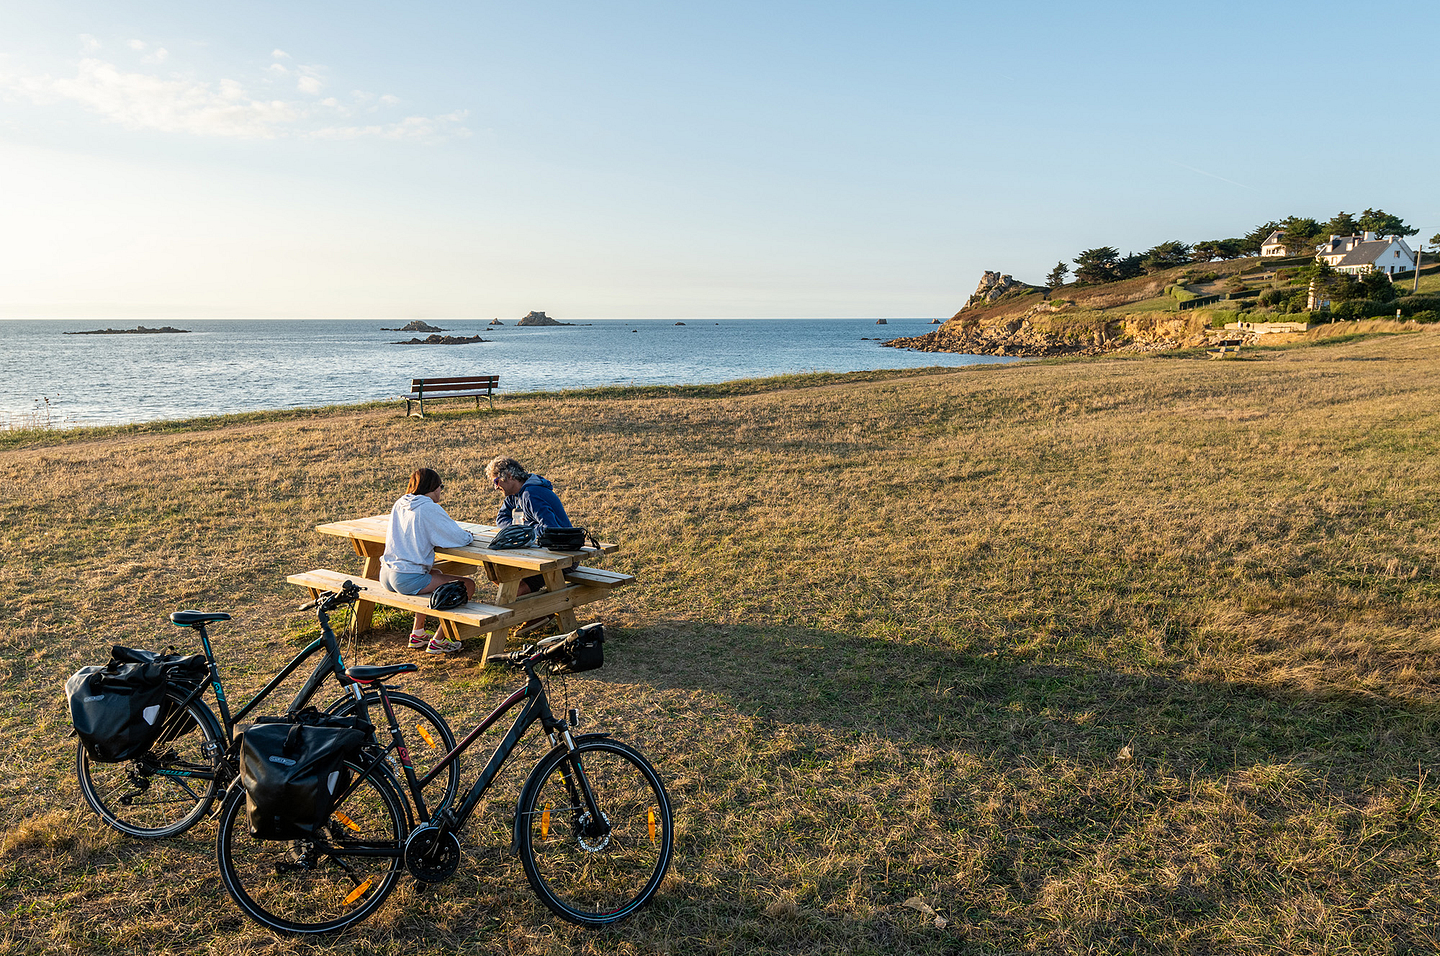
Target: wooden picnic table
(569,584)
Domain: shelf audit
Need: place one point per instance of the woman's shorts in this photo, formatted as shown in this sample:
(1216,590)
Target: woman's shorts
(405,582)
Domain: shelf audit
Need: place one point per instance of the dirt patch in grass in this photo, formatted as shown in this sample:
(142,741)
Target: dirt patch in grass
(1105,656)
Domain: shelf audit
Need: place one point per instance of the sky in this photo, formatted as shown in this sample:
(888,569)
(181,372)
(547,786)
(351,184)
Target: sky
(650,160)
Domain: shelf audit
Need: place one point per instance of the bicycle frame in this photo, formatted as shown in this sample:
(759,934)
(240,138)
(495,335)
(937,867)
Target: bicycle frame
(536,708)
(331,664)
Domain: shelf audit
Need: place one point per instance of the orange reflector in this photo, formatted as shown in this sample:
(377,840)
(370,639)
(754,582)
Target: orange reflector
(359,891)
(652,824)
(545,822)
(346,820)
(425,735)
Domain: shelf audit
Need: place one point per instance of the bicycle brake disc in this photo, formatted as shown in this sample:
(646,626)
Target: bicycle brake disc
(431,857)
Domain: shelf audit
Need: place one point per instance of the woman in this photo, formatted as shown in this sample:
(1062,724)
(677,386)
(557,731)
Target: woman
(418,525)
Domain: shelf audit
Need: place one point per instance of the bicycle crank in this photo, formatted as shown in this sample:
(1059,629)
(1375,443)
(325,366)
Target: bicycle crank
(430,856)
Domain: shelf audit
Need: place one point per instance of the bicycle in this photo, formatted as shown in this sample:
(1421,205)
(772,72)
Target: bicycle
(593,825)
(171,787)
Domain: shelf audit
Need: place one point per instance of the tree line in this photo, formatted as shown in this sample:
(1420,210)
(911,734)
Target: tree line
(1302,234)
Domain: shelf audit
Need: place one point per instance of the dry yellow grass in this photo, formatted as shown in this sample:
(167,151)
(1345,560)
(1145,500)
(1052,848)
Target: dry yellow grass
(1106,656)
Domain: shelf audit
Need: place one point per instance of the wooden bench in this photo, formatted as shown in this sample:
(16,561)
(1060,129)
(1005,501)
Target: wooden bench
(477,618)
(462,386)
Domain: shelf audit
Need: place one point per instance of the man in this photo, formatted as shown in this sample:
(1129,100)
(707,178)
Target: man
(530,500)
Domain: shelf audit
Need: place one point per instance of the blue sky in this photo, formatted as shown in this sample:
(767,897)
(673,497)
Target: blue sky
(612,159)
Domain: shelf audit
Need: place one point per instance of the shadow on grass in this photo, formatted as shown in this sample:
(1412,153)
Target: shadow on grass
(1011,710)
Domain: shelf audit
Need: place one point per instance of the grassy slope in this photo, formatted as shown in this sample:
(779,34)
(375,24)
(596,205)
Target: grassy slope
(1106,656)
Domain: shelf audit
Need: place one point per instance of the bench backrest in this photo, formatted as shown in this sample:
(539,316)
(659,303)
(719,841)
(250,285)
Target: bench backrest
(462,383)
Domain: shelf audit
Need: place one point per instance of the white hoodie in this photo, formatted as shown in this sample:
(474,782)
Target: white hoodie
(417,527)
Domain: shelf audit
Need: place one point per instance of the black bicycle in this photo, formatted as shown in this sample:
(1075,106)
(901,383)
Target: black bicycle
(593,825)
(173,785)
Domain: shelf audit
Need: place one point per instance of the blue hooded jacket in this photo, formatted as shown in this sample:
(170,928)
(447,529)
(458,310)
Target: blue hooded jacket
(536,503)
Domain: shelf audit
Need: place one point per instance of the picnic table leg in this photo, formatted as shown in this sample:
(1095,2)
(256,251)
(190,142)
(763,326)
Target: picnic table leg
(371,551)
(555,583)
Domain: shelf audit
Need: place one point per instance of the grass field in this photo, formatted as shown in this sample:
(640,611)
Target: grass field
(1104,656)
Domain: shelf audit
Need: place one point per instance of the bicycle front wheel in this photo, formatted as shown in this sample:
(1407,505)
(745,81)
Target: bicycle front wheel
(595,832)
(167,789)
(323,884)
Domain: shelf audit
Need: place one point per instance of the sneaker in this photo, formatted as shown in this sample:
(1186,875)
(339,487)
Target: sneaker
(440,645)
(421,639)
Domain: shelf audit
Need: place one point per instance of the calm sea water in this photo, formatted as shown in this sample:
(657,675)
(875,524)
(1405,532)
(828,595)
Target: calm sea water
(237,365)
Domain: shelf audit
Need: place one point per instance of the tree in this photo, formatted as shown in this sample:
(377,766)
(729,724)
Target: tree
(1057,275)
(1209,249)
(1301,234)
(1378,287)
(1382,223)
(1166,255)
(1129,267)
(1435,240)
(1094,266)
(1341,224)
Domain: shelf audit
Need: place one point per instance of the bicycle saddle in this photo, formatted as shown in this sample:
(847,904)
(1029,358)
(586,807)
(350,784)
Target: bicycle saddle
(191,618)
(365,673)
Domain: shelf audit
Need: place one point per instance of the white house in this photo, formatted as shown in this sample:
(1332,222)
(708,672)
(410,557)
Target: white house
(1275,245)
(1358,255)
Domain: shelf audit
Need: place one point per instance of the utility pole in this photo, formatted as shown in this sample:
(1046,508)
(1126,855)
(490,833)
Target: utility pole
(1419,248)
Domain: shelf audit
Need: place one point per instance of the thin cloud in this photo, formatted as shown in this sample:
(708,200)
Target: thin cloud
(1211,175)
(175,103)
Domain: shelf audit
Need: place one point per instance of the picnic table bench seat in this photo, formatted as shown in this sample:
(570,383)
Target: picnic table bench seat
(478,618)
(455,386)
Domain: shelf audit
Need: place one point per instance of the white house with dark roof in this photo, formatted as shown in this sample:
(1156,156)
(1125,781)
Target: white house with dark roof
(1358,255)
(1275,245)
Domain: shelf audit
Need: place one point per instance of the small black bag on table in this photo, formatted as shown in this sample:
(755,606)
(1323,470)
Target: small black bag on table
(293,772)
(121,709)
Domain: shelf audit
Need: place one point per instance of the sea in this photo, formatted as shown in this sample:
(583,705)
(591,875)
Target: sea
(222,366)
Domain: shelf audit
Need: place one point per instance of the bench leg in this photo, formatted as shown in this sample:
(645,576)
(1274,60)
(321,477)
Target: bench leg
(363,619)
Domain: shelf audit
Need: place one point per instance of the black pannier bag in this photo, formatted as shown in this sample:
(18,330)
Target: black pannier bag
(119,710)
(293,772)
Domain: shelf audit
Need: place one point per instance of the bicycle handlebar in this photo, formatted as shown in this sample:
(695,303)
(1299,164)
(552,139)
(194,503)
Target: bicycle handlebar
(330,600)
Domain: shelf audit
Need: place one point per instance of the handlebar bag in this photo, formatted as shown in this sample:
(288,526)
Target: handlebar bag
(581,650)
(119,709)
(563,539)
(293,774)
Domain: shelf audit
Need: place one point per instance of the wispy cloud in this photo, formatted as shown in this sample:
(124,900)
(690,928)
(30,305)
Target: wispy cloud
(1211,175)
(174,102)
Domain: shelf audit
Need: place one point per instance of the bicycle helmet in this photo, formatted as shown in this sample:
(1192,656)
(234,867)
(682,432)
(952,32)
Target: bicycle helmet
(515,536)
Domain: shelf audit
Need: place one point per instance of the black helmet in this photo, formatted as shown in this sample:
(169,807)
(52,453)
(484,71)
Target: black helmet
(515,536)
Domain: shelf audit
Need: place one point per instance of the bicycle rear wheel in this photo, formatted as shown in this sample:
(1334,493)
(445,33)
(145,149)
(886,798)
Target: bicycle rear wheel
(167,789)
(595,869)
(319,885)
(428,738)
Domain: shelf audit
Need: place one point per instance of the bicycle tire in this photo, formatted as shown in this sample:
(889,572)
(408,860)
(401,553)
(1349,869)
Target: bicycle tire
(169,788)
(595,876)
(428,738)
(322,885)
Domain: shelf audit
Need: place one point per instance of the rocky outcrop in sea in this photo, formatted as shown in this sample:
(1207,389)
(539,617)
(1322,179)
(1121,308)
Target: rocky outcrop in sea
(138,330)
(443,340)
(539,318)
(416,326)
